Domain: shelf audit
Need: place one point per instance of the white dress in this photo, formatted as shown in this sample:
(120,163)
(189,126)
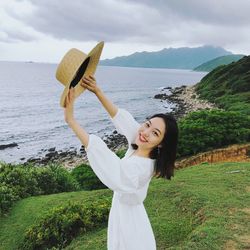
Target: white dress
(129,227)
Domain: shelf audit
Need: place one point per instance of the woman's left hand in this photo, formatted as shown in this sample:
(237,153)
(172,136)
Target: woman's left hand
(69,106)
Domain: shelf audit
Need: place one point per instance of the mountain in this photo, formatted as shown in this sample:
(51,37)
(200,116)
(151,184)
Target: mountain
(228,86)
(172,58)
(222,60)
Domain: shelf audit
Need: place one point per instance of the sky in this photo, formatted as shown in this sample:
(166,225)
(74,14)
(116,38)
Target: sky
(44,30)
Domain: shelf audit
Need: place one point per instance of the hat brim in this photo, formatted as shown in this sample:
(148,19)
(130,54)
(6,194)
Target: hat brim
(93,57)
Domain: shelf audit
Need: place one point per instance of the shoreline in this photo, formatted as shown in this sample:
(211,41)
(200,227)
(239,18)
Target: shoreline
(184,98)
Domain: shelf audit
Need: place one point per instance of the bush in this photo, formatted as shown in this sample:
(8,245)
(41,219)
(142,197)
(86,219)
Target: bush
(65,182)
(205,130)
(60,225)
(21,181)
(121,153)
(20,178)
(7,198)
(46,180)
(86,178)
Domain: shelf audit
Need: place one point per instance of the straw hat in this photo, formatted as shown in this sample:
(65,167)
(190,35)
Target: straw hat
(74,65)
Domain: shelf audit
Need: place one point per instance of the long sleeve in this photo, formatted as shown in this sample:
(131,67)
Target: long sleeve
(109,168)
(125,124)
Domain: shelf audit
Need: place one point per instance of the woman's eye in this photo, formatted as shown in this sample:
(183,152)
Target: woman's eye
(147,125)
(154,133)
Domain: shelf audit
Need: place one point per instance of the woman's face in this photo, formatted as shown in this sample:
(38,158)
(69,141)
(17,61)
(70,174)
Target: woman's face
(150,134)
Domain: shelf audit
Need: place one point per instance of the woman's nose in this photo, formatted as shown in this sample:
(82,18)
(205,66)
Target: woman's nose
(145,133)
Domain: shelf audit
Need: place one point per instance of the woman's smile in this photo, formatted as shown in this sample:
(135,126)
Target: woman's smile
(142,138)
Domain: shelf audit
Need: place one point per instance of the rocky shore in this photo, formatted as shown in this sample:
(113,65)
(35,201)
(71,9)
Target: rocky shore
(184,98)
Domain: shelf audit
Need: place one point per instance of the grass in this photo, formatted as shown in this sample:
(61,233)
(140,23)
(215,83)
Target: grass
(203,207)
(27,211)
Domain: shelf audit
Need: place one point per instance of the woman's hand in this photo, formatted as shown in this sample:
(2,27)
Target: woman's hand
(89,82)
(69,108)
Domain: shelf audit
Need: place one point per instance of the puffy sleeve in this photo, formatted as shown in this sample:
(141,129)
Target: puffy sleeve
(125,124)
(109,168)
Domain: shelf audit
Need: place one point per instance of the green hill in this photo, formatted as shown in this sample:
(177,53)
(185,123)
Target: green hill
(228,86)
(172,58)
(222,60)
(203,207)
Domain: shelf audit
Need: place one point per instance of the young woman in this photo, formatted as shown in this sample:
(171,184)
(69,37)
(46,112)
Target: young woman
(151,152)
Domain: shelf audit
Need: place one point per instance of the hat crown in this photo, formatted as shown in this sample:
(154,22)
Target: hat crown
(69,65)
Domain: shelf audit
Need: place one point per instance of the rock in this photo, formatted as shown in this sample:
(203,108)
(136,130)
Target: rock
(161,96)
(52,149)
(51,154)
(33,160)
(10,145)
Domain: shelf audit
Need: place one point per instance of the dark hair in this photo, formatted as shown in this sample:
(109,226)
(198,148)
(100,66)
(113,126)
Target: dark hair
(165,155)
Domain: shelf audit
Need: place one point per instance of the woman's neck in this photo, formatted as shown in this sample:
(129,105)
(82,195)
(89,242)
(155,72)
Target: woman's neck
(142,153)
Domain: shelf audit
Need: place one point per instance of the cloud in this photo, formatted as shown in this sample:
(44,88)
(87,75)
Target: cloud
(12,28)
(126,26)
(212,12)
(109,20)
(160,22)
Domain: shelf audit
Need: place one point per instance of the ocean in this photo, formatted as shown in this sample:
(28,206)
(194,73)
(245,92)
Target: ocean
(30,114)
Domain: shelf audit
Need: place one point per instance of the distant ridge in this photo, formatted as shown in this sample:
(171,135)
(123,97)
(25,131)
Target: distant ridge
(222,60)
(172,58)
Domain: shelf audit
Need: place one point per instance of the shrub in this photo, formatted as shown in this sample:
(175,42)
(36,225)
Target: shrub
(121,153)
(46,180)
(205,130)
(21,181)
(65,182)
(20,178)
(7,198)
(86,177)
(60,225)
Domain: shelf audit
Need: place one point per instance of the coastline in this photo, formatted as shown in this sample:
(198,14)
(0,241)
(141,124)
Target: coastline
(185,100)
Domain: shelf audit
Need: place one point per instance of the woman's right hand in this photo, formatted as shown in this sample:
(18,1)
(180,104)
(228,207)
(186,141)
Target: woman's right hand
(89,82)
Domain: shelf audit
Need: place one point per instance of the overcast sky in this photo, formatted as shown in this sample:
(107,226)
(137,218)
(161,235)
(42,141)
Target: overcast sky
(43,30)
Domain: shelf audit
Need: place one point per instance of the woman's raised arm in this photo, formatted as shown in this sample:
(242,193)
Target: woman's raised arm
(70,120)
(122,119)
(90,84)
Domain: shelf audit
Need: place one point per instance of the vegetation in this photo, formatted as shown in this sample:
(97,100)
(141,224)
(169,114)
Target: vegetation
(30,211)
(221,60)
(21,181)
(86,178)
(17,182)
(208,129)
(203,207)
(61,224)
(228,86)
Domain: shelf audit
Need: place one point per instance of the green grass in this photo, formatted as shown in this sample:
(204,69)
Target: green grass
(203,207)
(27,211)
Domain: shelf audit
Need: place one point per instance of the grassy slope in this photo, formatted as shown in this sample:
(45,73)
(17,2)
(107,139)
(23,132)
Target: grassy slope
(203,207)
(222,60)
(228,86)
(29,210)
